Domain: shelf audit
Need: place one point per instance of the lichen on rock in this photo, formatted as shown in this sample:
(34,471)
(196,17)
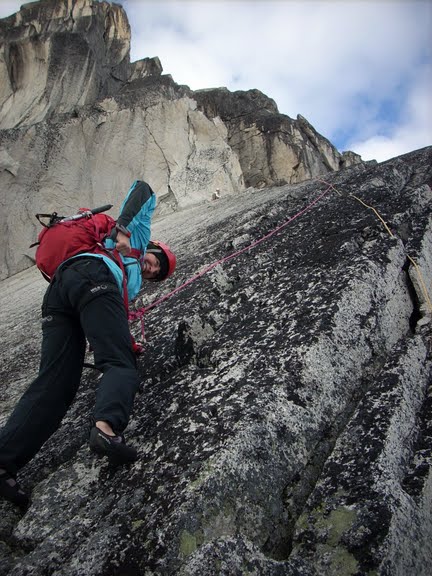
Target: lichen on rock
(283,419)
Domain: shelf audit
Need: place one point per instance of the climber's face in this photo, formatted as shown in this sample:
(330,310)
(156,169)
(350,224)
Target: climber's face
(150,266)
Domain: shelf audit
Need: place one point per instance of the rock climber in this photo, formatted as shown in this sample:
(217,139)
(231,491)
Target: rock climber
(85,301)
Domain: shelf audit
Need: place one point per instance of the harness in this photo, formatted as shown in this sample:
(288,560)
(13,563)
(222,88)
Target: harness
(115,255)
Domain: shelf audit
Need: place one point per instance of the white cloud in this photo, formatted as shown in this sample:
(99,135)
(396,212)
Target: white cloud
(412,132)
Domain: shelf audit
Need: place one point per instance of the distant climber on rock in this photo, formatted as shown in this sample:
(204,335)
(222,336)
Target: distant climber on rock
(87,299)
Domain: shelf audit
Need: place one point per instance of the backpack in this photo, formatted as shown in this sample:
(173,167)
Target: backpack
(63,238)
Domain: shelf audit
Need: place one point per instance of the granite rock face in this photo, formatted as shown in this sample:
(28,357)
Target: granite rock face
(272,148)
(284,418)
(92,160)
(78,122)
(58,55)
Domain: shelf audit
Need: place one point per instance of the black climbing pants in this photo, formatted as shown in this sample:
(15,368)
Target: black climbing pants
(83,301)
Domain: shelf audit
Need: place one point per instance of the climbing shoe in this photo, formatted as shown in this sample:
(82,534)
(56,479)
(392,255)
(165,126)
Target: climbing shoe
(11,490)
(113,447)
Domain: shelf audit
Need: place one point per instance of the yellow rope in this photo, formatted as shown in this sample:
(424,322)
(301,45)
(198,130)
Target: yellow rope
(414,263)
(376,212)
(422,282)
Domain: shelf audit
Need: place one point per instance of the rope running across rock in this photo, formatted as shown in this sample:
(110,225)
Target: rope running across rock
(139,313)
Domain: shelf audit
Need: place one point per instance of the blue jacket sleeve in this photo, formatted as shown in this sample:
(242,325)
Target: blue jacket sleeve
(136,213)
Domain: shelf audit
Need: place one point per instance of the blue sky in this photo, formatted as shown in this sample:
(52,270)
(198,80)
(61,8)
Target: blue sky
(359,71)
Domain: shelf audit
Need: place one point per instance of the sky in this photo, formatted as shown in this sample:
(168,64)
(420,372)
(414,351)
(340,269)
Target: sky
(360,71)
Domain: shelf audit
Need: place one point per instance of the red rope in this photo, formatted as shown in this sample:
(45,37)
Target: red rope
(139,313)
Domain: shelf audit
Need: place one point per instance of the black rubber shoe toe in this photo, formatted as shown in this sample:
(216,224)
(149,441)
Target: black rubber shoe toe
(11,490)
(118,453)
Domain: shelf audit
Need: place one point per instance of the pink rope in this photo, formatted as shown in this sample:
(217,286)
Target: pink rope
(139,313)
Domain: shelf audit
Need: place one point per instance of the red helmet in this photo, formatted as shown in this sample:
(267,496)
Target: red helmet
(166,258)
